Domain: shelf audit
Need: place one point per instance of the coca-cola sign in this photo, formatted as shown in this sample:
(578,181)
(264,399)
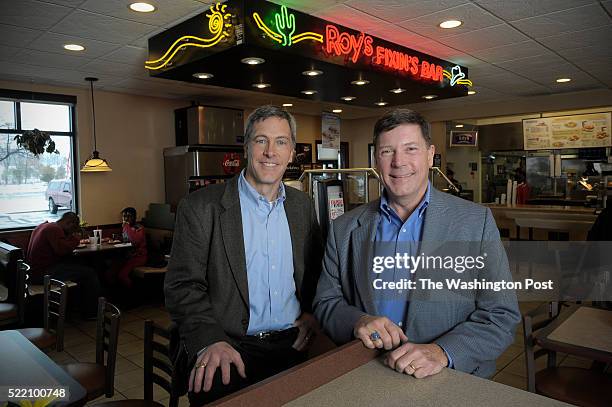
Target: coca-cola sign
(231,163)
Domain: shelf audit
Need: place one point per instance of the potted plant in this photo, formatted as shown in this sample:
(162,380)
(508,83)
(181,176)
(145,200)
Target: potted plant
(36,141)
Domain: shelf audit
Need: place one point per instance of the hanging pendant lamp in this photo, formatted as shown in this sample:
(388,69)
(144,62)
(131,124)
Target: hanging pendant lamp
(94,163)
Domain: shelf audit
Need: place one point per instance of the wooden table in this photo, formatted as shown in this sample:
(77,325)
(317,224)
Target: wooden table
(104,247)
(23,364)
(580,331)
(354,376)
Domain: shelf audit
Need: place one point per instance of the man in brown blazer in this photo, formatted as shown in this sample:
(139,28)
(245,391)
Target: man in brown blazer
(245,262)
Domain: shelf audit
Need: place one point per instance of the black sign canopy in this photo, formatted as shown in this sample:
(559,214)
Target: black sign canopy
(257,45)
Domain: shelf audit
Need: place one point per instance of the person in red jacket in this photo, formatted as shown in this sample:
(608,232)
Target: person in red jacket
(50,252)
(135,234)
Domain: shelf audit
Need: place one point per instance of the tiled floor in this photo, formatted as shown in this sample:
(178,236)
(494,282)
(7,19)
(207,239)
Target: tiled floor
(80,346)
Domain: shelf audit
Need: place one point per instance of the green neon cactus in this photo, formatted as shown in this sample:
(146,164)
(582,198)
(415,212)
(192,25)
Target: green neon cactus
(285,25)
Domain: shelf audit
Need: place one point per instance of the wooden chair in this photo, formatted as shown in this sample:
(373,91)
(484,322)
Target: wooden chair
(157,355)
(99,378)
(12,312)
(54,311)
(579,386)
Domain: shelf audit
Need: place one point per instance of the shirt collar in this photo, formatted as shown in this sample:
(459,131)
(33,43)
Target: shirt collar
(247,191)
(388,211)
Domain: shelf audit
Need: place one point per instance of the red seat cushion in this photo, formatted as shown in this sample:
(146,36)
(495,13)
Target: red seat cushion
(90,375)
(40,337)
(8,311)
(574,385)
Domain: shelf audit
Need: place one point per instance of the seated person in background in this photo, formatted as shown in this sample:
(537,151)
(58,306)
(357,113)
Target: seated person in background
(50,252)
(137,257)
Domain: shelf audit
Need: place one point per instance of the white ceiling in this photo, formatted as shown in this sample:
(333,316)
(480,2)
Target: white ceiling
(513,48)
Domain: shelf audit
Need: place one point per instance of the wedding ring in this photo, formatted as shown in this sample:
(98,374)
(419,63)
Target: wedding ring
(200,366)
(412,366)
(374,336)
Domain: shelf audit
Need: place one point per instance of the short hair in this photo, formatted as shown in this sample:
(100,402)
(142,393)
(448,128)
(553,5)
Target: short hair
(129,211)
(263,113)
(70,217)
(396,118)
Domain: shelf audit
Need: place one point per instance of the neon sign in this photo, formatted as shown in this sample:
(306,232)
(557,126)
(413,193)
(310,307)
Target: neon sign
(217,25)
(285,27)
(456,77)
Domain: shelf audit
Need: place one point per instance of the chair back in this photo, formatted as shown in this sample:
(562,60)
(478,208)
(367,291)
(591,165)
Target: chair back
(158,367)
(54,304)
(107,336)
(533,321)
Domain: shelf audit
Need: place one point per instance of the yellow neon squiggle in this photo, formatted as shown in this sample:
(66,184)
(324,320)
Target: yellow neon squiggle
(215,25)
(262,26)
(464,82)
(446,74)
(307,36)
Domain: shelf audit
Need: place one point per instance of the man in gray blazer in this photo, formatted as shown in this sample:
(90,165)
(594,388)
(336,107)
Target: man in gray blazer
(245,261)
(424,330)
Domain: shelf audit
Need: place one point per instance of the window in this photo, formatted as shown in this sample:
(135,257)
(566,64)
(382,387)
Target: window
(36,189)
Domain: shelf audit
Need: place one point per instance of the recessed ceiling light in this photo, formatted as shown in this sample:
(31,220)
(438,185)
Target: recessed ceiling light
(203,75)
(397,90)
(261,85)
(312,72)
(471,92)
(74,47)
(563,80)
(450,24)
(348,98)
(287,104)
(337,111)
(252,61)
(459,125)
(309,92)
(360,82)
(429,97)
(381,103)
(142,7)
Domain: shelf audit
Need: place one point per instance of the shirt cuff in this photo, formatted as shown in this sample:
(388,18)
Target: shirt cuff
(451,365)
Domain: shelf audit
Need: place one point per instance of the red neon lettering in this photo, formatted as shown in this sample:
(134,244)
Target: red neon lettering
(368,50)
(439,75)
(380,54)
(356,44)
(414,65)
(432,71)
(332,34)
(425,69)
(345,43)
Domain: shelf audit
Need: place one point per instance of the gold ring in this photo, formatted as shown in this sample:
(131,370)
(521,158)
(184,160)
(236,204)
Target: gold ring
(201,366)
(412,366)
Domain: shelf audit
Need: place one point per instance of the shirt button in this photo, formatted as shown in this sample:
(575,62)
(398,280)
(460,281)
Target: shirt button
(404,230)
(245,322)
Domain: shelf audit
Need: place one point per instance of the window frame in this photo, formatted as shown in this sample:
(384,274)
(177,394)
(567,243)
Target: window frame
(18,96)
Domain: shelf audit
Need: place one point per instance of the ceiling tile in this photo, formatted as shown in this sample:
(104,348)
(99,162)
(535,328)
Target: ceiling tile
(54,43)
(308,7)
(544,61)
(31,14)
(398,35)
(435,49)
(114,68)
(351,18)
(128,54)
(49,59)
(67,3)
(600,35)
(511,10)
(490,37)
(96,26)
(167,11)
(399,10)
(485,70)
(473,18)
(576,19)
(588,53)
(17,36)
(512,51)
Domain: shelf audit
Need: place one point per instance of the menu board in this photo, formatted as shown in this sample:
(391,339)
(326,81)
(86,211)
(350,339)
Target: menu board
(578,131)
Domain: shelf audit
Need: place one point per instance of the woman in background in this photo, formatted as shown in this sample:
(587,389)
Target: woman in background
(135,234)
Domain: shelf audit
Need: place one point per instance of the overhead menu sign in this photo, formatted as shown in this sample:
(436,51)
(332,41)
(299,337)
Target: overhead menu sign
(577,131)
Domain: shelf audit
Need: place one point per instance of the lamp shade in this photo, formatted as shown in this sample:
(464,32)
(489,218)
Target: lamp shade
(96,164)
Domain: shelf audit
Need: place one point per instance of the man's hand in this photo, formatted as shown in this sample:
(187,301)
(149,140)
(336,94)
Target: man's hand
(419,360)
(218,354)
(309,327)
(391,335)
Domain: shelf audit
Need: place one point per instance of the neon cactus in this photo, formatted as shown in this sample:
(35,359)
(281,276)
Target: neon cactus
(285,25)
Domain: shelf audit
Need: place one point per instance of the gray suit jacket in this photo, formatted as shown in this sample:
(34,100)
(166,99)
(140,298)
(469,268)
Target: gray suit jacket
(206,286)
(474,331)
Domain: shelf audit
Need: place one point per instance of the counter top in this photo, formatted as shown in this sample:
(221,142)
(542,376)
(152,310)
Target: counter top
(542,208)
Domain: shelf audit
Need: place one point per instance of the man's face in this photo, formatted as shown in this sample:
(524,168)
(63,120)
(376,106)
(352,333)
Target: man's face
(127,218)
(403,160)
(269,151)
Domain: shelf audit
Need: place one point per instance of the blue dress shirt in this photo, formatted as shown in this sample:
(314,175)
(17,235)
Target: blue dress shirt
(273,304)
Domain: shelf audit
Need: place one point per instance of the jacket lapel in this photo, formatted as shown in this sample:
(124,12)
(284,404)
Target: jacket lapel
(233,239)
(297,229)
(362,244)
